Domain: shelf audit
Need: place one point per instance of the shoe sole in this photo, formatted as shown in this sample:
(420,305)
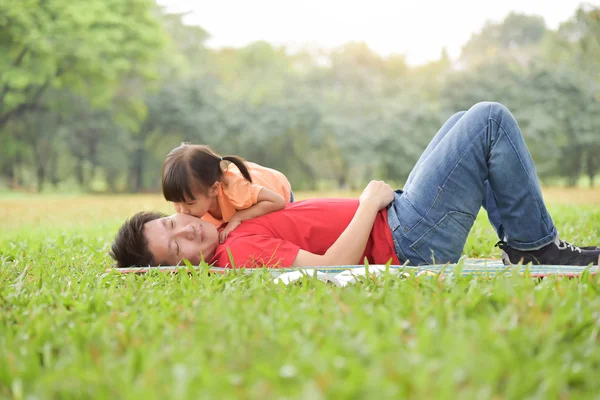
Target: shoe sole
(506,259)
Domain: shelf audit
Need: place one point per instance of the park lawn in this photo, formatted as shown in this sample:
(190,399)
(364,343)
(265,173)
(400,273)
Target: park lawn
(69,329)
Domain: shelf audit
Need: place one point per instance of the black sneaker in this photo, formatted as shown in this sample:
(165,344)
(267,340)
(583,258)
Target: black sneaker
(558,252)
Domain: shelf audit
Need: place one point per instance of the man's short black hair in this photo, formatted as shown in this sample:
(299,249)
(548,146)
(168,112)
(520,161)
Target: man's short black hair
(130,247)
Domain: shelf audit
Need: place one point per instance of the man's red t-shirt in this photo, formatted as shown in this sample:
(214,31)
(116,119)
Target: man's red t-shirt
(273,240)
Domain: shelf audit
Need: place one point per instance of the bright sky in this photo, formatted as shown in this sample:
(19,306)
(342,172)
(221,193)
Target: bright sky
(416,28)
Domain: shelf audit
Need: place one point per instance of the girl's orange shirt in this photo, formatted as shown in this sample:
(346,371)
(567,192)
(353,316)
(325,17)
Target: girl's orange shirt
(236,193)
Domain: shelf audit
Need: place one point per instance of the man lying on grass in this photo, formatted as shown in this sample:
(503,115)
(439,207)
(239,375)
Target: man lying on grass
(478,158)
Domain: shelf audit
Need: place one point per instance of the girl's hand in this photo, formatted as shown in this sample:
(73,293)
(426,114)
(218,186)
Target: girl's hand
(266,202)
(233,223)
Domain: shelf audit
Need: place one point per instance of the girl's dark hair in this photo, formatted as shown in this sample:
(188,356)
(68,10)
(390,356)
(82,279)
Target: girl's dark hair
(194,167)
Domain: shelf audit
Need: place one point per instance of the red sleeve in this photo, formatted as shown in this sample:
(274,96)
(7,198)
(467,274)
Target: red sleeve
(255,252)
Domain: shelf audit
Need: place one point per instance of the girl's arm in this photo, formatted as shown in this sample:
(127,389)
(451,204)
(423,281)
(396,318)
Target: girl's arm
(266,202)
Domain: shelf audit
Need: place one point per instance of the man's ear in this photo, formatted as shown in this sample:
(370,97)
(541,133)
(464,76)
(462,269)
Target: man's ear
(213,191)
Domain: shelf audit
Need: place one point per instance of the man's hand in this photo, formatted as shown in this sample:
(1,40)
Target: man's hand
(350,246)
(377,193)
(233,223)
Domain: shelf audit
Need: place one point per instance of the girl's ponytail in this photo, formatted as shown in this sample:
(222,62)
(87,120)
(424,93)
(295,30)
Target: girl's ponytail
(238,162)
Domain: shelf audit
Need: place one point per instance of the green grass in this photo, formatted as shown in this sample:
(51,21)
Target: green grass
(69,329)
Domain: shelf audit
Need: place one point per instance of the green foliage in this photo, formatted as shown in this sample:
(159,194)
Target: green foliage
(83,47)
(514,38)
(124,82)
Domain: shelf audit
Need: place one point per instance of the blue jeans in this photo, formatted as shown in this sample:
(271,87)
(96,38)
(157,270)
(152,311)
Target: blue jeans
(478,158)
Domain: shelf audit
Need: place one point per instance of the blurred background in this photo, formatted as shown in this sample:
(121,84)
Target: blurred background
(93,94)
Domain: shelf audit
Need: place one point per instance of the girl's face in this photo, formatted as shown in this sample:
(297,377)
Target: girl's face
(200,205)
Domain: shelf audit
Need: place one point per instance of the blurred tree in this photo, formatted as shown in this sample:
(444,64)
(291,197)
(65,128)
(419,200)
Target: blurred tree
(169,110)
(577,43)
(84,47)
(98,93)
(174,114)
(427,81)
(558,105)
(516,38)
(574,50)
(256,73)
(494,81)
(76,49)
(41,136)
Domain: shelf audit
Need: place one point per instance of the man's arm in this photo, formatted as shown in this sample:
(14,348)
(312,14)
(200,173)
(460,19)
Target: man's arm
(350,246)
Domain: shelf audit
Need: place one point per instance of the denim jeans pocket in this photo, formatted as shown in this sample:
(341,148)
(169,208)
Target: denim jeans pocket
(444,241)
(403,217)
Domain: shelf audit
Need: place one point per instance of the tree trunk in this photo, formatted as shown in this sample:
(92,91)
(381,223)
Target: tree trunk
(10,173)
(574,159)
(304,166)
(342,181)
(79,171)
(41,176)
(91,176)
(111,177)
(307,170)
(92,157)
(19,179)
(53,166)
(592,166)
(137,170)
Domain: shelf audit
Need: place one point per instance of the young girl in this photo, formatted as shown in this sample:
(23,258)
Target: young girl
(200,183)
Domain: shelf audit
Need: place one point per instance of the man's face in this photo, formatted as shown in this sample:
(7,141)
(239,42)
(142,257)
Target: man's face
(171,239)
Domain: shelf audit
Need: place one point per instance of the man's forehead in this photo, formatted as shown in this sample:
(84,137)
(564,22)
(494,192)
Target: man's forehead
(163,221)
(154,229)
(158,242)
(150,224)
